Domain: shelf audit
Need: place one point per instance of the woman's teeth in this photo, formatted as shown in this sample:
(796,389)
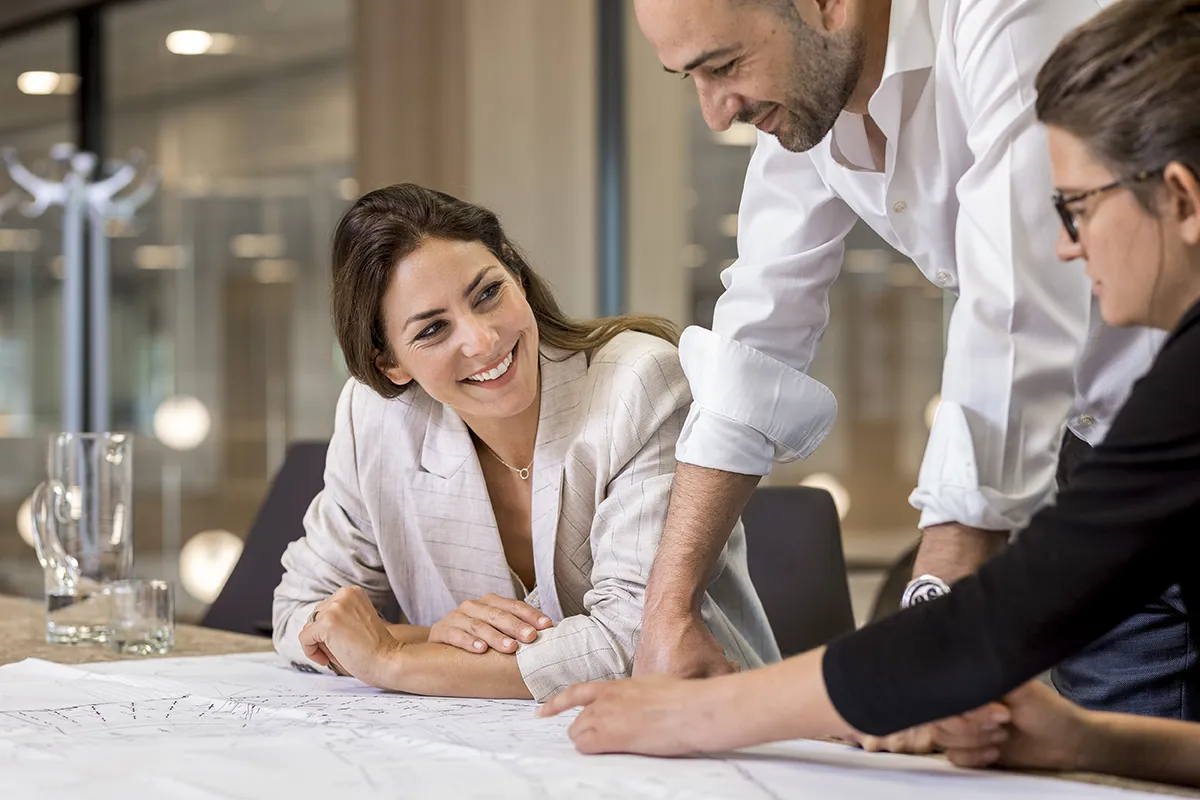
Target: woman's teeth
(495,372)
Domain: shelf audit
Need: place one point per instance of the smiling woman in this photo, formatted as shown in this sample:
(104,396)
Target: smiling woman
(499,467)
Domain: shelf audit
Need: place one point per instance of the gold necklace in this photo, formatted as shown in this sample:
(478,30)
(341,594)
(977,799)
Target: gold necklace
(523,472)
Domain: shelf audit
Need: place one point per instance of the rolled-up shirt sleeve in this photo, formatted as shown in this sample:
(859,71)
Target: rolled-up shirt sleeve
(1021,319)
(754,400)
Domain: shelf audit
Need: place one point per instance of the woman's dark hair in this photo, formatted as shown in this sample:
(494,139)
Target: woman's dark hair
(387,225)
(1127,84)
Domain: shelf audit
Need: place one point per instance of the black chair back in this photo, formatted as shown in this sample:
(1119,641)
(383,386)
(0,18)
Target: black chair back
(794,549)
(244,605)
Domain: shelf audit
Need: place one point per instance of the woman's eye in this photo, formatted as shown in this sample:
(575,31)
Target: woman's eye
(431,331)
(490,292)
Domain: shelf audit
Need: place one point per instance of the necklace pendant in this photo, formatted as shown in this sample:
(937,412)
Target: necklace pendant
(524,473)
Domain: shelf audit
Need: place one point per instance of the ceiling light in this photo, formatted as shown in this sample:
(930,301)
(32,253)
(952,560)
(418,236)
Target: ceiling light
(258,245)
(182,422)
(18,240)
(205,562)
(158,256)
(189,43)
(274,270)
(38,82)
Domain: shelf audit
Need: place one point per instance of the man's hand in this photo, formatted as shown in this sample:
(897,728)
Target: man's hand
(346,633)
(490,622)
(651,716)
(680,646)
(952,551)
(1033,728)
(704,507)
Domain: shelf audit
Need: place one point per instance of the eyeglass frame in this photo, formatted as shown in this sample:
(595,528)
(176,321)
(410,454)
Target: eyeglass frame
(1061,201)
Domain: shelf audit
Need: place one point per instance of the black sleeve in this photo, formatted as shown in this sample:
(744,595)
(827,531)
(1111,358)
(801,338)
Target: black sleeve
(1121,533)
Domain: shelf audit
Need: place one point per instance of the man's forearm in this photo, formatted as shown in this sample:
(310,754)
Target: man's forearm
(1142,748)
(705,504)
(953,551)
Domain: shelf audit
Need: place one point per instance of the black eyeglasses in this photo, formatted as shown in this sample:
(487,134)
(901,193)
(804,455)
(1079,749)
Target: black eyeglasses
(1062,202)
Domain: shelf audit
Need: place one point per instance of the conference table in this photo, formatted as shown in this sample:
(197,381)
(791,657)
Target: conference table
(22,637)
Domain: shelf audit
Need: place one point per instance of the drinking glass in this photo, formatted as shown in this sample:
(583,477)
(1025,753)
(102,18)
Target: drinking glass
(142,620)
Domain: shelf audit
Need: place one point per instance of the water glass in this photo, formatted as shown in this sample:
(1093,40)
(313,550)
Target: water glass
(83,531)
(142,620)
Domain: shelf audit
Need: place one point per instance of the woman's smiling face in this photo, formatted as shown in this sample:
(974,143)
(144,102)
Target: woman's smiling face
(458,324)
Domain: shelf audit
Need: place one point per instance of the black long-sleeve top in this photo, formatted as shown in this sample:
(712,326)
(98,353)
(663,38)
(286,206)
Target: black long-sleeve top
(1126,528)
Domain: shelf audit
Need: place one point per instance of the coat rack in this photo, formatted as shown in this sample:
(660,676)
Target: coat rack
(92,204)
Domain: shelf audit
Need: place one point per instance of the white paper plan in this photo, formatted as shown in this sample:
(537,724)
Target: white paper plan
(249,726)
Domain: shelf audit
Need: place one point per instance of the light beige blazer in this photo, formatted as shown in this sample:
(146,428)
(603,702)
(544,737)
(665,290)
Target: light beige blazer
(405,510)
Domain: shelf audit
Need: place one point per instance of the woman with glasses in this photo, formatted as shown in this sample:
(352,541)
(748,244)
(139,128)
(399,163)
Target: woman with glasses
(1119,98)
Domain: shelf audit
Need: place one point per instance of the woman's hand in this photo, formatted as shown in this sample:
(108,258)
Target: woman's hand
(1033,728)
(919,740)
(346,633)
(490,622)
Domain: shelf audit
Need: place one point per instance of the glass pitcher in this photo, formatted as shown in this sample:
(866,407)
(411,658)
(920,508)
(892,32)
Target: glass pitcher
(83,518)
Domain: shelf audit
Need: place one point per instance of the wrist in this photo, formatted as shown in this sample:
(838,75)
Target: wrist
(1097,746)
(676,604)
(396,666)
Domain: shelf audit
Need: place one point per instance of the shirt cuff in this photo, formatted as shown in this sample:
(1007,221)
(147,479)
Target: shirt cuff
(949,489)
(575,650)
(748,407)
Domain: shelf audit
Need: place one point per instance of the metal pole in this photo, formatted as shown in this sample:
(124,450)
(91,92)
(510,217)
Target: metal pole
(90,137)
(98,340)
(612,251)
(74,306)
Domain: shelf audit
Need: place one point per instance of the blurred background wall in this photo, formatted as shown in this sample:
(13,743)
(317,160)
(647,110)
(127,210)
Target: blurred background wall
(266,118)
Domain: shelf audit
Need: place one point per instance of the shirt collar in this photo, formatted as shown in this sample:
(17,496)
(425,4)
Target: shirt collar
(911,48)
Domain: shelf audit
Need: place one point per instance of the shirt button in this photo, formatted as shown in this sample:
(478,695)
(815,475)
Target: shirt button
(1087,420)
(899,206)
(942,277)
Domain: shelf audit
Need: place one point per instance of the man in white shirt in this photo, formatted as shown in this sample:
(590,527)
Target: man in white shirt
(916,116)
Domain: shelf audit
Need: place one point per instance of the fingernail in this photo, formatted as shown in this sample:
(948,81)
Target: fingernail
(527,632)
(479,645)
(544,621)
(507,643)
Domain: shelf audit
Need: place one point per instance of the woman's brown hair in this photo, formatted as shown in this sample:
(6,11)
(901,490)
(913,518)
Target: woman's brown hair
(1127,84)
(387,225)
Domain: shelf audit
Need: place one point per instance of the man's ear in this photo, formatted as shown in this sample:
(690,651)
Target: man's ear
(392,372)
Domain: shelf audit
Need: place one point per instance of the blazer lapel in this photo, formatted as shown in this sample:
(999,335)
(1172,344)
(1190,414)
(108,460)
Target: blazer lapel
(563,380)
(448,501)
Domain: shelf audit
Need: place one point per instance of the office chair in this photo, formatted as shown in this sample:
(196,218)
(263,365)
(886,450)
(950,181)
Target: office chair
(244,605)
(794,549)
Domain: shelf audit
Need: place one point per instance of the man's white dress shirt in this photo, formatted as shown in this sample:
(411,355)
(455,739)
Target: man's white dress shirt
(966,195)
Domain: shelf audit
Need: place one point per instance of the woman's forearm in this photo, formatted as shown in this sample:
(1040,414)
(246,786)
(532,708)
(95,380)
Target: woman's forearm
(445,671)
(409,634)
(1143,748)
(784,701)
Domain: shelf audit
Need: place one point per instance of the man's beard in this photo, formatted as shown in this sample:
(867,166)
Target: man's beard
(823,75)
